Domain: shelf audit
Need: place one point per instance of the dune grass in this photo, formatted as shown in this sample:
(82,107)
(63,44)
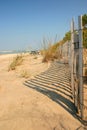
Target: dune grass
(15,62)
(51,52)
(25,74)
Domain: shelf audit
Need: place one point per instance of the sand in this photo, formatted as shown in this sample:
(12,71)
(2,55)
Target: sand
(23,108)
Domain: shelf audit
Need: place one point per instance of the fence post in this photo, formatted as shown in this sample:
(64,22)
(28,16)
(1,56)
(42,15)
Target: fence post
(80,64)
(72,56)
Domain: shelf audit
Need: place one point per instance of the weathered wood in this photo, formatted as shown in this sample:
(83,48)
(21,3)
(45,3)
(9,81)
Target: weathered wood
(72,56)
(80,64)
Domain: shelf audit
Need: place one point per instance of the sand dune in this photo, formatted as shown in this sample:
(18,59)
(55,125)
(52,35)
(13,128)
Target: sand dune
(37,108)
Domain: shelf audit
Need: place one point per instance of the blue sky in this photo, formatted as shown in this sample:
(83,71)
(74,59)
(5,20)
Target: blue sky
(24,23)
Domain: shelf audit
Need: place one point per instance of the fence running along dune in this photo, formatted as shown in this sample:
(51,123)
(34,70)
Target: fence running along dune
(74,53)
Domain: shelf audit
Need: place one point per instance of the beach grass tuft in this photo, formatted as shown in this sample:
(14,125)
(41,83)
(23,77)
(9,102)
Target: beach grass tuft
(15,62)
(25,74)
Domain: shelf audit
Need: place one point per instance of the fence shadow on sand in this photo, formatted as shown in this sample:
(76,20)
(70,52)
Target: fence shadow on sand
(55,84)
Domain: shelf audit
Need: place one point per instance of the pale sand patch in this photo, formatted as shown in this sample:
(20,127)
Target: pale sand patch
(22,108)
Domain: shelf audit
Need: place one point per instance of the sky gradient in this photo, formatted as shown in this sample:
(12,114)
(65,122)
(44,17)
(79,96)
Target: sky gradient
(24,23)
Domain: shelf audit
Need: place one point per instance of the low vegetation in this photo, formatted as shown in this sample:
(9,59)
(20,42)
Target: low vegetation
(85,38)
(50,52)
(15,62)
(25,74)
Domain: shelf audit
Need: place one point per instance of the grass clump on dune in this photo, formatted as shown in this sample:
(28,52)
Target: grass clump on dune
(25,74)
(48,54)
(48,51)
(51,52)
(15,62)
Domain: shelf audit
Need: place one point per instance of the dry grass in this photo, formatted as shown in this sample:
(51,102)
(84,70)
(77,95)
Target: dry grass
(15,62)
(50,50)
(86,72)
(25,74)
(47,50)
(35,57)
(47,55)
(50,53)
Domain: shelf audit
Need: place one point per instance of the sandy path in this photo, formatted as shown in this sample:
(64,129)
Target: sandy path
(39,104)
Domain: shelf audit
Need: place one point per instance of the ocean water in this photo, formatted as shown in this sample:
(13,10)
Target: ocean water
(12,52)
